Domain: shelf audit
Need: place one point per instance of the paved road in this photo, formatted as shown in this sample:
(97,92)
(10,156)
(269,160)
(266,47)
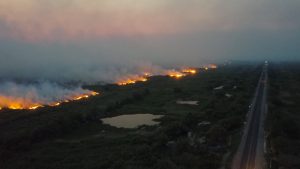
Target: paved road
(250,154)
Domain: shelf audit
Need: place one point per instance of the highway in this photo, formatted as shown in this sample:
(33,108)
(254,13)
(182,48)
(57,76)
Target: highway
(250,154)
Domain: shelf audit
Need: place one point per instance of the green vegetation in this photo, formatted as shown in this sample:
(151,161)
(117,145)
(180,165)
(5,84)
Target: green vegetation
(71,135)
(284,116)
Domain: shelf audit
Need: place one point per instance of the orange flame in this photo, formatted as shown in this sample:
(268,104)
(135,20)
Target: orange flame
(189,71)
(55,104)
(147,74)
(210,66)
(213,66)
(175,74)
(18,104)
(34,107)
(133,79)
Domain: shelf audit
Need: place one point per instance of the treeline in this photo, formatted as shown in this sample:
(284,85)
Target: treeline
(283,120)
(135,96)
(20,133)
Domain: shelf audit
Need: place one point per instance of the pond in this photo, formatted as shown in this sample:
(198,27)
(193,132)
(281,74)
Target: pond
(132,120)
(188,102)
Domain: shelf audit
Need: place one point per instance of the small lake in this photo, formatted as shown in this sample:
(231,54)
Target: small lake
(188,102)
(132,120)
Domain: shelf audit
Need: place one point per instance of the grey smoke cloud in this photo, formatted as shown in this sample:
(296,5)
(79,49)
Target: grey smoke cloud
(77,40)
(103,41)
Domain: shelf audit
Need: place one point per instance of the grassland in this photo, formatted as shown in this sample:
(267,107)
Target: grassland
(284,116)
(72,136)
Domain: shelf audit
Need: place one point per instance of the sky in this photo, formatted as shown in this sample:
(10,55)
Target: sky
(97,40)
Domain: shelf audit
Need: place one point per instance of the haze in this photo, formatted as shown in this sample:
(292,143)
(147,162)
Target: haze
(100,40)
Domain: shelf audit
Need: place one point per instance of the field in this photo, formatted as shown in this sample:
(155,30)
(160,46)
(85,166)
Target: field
(72,136)
(284,116)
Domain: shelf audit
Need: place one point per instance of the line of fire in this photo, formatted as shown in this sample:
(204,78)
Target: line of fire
(20,104)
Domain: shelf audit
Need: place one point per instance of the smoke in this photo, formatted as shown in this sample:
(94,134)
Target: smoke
(92,41)
(87,62)
(75,19)
(23,96)
(22,93)
(82,41)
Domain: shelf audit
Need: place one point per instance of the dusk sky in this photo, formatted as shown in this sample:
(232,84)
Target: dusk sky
(88,39)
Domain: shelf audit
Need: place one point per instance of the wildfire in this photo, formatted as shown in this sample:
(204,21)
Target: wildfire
(177,74)
(55,104)
(23,103)
(18,104)
(35,107)
(189,71)
(211,66)
(85,96)
(81,97)
(133,79)
(146,74)
(94,93)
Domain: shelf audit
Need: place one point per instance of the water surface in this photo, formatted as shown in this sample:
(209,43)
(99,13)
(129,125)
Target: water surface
(132,120)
